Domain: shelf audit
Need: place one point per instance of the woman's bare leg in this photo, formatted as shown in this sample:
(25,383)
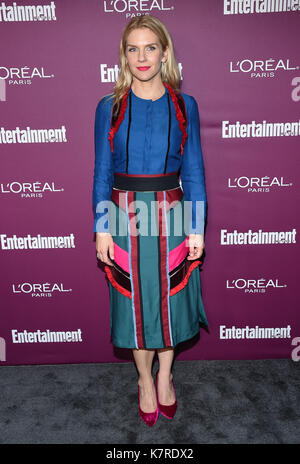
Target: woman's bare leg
(165,391)
(144,360)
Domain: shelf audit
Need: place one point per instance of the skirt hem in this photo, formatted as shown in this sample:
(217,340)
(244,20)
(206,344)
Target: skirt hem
(183,339)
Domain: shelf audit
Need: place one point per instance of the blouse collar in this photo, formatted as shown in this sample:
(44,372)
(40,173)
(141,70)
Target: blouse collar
(149,99)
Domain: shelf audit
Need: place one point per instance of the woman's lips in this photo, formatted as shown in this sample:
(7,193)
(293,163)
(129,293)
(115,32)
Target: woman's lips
(143,68)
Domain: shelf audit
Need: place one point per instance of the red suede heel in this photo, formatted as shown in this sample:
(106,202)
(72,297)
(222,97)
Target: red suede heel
(167,411)
(149,418)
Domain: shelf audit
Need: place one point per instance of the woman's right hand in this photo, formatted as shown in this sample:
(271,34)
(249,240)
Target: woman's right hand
(105,244)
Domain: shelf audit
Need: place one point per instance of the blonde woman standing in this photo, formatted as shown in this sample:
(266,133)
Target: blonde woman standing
(147,139)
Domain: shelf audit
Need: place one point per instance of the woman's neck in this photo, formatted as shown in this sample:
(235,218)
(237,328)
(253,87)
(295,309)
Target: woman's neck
(148,90)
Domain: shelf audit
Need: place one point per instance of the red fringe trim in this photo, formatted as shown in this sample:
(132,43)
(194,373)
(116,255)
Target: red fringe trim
(115,284)
(114,129)
(173,291)
(179,115)
(184,282)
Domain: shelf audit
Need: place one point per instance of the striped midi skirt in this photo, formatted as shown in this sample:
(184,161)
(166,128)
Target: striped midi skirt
(155,292)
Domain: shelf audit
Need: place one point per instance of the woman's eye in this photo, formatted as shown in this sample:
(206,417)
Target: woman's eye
(149,48)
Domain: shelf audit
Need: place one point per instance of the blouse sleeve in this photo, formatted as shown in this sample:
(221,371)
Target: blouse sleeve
(104,169)
(192,171)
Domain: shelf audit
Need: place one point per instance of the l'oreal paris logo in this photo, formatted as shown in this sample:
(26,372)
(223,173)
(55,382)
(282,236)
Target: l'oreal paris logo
(29,189)
(135,6)
(257,184)
(44,289)
(261,68)
(15,74)
(254,285)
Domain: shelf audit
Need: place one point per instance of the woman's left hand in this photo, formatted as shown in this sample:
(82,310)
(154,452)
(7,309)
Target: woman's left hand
(196,245)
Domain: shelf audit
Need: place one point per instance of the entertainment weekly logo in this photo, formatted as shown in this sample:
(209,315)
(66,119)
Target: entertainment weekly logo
(257,130)
(253,286)
(110,74)
(30,135)
(36,242)
(39,290)
(26,13)
(259,6)
(46,336)
(257,184)
(40,336)
(233,332)
(257,237)
(261,68)
(28,189)
(132,8)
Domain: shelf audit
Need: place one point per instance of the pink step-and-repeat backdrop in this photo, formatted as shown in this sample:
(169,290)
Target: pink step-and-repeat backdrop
(240,60)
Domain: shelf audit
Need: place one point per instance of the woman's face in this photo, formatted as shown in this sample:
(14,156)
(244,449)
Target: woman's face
(144,54)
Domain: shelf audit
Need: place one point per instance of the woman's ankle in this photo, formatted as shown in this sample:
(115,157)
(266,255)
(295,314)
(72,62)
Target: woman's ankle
(145,380)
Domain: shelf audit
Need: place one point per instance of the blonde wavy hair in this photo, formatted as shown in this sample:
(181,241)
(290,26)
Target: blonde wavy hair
(169,70)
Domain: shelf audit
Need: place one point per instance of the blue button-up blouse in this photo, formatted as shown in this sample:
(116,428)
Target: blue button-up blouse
(148,144)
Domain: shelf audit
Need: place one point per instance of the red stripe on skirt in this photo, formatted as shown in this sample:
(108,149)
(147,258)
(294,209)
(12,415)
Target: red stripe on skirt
(135,270)
(163,269)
